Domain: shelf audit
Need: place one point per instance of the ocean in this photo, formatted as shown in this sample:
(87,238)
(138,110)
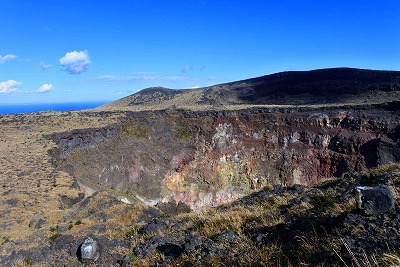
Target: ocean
(24,108)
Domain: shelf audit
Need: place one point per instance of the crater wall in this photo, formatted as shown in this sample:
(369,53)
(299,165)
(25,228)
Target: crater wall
(208,158)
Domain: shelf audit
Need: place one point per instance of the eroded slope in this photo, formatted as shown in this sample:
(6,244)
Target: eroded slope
(207,158)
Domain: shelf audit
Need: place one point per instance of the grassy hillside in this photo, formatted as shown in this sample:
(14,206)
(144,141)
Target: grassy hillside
(316,87)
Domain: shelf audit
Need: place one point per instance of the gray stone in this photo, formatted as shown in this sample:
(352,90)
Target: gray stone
(12,201)
(126,262)
(374,200)
(40,223)
(168,246)
(89,251)
(37,221)
(228,236)
(194,242)
(66,242)
(156,225)
(27,203)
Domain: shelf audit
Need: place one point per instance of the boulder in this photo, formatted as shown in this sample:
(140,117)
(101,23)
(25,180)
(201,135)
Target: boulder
(227,236)
(156,225)
(168,246)
(89,251)
(374,200)
(125,262)
(37,221)
(173,208)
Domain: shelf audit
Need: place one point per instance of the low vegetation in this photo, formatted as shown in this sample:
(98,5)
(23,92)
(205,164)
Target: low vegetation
(294,226)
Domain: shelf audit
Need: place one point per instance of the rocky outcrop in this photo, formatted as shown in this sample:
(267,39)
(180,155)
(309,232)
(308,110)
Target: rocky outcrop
(89,251)
(297,225)
(374,200)
(308,225)
(68,142)
(206,158)
(37,221)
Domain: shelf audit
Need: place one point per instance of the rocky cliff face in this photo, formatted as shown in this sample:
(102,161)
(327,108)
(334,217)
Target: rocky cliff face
(207,158)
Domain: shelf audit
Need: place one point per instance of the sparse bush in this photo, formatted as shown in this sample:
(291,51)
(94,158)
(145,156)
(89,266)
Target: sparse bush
(138,131)
(267,188)
(394,167)
(325,200)
(199,224)
(53,238)
(133,230)
(28,261)
(183,133)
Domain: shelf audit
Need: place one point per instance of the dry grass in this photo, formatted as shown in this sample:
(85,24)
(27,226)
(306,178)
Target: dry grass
(193,100)
(29,184)
(311,245)
(369,260)
(391,260)
(211,222)
(28,178)
(390,168)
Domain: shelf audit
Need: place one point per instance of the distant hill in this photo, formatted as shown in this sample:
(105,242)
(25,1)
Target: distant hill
(315,87)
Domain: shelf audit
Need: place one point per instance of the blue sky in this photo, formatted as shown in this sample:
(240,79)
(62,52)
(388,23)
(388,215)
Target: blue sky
(67,51)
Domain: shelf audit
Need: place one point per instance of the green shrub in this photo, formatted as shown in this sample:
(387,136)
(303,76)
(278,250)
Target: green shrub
(28,261)
(53,238)
(325,200)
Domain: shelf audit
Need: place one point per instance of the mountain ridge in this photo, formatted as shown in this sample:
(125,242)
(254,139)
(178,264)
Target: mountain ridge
(314,87)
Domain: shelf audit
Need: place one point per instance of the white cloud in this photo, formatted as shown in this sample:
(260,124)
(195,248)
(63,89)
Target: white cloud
(154,79)
(9,86)
(45,88)
(75,62)
(187,68)
(45,66)
(7,58)
(139,77)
